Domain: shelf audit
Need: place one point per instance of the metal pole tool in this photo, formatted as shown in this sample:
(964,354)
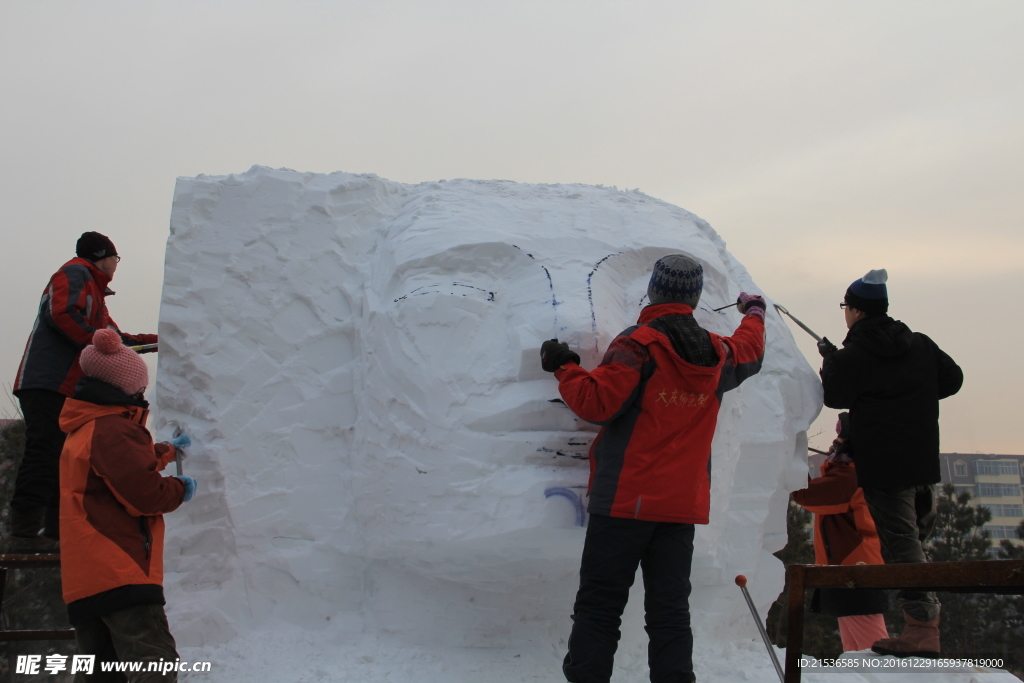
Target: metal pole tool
(782,309)
(741,581)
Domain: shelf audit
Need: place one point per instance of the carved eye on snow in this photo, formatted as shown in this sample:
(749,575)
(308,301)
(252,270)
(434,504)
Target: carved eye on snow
(453,289)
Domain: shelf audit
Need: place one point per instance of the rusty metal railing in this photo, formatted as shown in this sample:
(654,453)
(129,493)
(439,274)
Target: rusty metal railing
(28,562)
(1004,577)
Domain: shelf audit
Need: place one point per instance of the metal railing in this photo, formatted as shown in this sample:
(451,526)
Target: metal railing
(1005,577)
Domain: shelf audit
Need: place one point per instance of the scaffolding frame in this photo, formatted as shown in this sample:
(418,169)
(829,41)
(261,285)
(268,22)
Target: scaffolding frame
(1002,577)
(8,562)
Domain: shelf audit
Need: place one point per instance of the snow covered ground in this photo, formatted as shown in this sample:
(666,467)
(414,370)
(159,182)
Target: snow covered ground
(387,490)
(300,656)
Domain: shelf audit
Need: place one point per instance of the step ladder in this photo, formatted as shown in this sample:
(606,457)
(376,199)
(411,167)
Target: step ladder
(28,562)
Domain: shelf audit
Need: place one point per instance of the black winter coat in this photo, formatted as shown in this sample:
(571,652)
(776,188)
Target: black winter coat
(891,380)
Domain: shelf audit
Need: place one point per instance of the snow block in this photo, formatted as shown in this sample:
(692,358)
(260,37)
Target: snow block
(359,359)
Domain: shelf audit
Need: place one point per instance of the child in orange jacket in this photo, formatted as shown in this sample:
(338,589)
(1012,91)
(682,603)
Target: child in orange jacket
(113,499)
(845,534)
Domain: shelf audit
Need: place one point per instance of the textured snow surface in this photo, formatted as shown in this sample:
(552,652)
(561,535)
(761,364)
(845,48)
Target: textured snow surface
(387,491)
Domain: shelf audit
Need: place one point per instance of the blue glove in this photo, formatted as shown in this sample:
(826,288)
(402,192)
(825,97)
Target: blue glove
(190,487)
(182,442)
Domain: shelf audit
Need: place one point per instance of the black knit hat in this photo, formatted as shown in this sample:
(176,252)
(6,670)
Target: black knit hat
(94,246)
(676,279)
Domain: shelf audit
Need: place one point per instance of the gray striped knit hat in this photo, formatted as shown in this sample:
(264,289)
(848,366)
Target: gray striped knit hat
(676,279)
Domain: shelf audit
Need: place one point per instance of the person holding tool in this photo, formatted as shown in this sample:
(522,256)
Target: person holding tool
(72,308)
(844,534)
(891,380)
(113,499)
(656,396)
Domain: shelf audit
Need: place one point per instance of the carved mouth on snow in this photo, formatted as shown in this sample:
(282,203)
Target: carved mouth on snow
(539,415)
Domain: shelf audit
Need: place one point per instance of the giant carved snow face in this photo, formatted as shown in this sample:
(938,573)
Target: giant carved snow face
(462,440)
(358,363)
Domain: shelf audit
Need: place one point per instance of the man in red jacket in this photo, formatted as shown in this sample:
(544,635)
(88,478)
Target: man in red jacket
(656,395)
(72,308)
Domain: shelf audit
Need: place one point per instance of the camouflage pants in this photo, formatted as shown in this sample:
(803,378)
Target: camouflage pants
(137,634)
(905,519)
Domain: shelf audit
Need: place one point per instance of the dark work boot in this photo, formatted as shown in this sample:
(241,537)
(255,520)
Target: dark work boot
(26,525)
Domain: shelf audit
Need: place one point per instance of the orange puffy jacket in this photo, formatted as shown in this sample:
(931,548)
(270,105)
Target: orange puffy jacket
(844,532)
(111,499)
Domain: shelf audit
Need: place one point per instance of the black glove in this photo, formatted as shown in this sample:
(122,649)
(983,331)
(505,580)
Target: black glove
(826,348)
(554,354)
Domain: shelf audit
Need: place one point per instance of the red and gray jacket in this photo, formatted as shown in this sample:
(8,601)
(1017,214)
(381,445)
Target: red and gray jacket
(844,532)
(658,411)
(71,309)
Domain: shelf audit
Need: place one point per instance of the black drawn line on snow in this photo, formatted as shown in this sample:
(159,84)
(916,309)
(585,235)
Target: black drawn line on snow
(590,297)
(417,292)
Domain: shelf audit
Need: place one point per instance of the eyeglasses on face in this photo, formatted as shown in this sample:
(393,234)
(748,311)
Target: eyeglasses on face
(842,305)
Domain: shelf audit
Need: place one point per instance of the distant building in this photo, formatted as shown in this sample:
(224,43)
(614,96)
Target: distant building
(994,482)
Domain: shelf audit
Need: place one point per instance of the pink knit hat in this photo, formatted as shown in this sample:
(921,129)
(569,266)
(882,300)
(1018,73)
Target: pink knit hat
(113,362)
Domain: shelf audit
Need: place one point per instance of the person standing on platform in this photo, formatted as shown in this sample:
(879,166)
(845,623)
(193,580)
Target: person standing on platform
(891,380)
(72,308)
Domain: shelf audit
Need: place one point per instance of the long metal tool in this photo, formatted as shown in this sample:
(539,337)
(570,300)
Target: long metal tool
(782,309)
(741,581)
(142,348)
(722,308)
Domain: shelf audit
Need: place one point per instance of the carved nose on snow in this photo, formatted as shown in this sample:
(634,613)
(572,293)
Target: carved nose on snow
(531,416)
(529,366)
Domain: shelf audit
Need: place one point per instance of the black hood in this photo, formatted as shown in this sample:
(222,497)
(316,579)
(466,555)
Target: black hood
(881,336)
(105,394)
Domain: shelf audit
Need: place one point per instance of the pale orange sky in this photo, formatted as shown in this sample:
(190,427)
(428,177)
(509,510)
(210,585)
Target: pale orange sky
(820,139)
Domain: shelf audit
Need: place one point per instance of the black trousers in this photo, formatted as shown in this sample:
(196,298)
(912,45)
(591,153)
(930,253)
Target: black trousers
(37,483)
(611,553)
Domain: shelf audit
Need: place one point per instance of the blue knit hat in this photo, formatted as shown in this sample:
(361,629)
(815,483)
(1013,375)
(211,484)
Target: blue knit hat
(676,279)
(869,294)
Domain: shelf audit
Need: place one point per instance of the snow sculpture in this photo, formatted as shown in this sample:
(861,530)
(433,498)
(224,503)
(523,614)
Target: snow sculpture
(360,361)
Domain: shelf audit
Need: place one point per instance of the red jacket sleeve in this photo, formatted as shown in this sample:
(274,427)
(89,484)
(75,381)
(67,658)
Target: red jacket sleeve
(123,455)
(65,312)
(602,395)
(745,352)
(165,454)
(830,493)
(132,339)
(747,342)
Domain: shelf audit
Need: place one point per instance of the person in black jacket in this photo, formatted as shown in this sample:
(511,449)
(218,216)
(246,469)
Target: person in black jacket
(891,379)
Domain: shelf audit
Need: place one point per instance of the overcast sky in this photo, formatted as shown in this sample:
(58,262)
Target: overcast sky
(821,139)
